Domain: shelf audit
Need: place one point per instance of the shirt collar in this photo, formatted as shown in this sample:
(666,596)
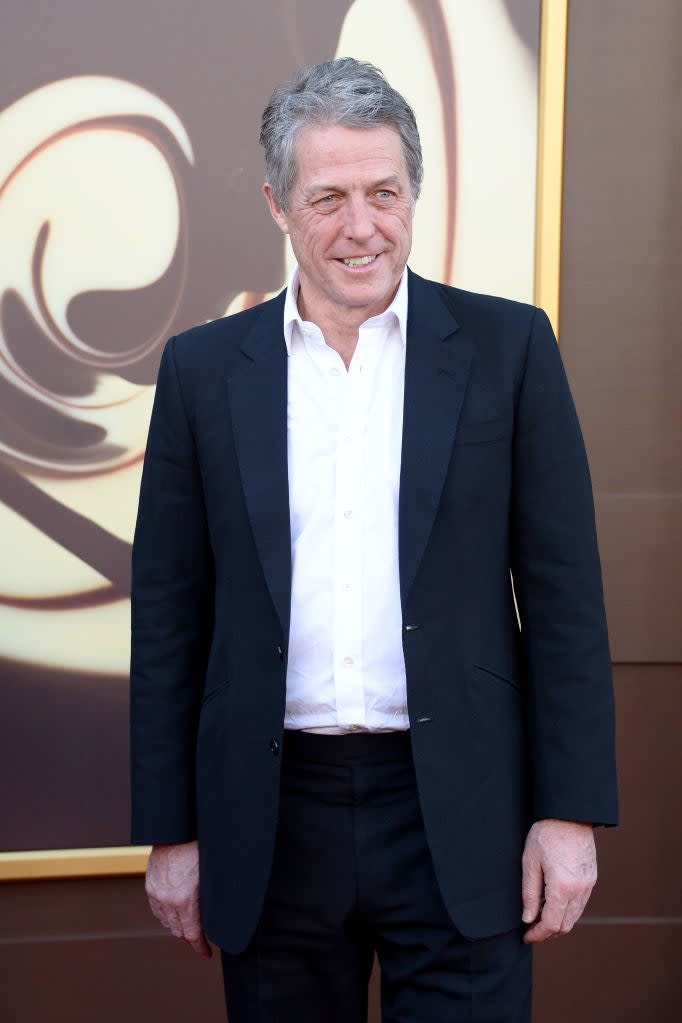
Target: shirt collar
(396,311)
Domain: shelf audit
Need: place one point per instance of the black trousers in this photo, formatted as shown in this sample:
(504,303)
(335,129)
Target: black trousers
(352,875)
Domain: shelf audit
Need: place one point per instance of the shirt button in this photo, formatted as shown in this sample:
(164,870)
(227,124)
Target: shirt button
(335,372)
(348,661)
(348,586)
(347,512)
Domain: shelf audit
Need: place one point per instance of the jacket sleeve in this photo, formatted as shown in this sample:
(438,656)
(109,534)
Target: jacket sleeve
(171,618)
(557,581)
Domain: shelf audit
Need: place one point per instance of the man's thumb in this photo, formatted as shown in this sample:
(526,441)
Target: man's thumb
(531,892)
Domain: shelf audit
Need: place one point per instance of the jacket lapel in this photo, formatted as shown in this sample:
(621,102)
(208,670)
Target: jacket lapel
(258,404)
(437,365)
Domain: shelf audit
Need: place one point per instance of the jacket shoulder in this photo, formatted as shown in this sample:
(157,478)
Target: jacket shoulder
(500,330)
(218,342)
(476,310)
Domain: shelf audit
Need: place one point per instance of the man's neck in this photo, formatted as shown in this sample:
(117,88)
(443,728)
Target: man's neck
(339,334)
(340,328)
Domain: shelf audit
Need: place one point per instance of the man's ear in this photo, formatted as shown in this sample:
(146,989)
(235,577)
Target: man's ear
(278,214)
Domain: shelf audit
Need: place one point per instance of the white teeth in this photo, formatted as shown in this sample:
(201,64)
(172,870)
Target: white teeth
(359,260)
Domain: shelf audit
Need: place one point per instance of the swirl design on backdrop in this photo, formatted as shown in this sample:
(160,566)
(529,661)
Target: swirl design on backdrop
(93,268)
(91,197)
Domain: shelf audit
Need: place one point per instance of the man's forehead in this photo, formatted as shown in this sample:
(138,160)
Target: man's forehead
(374,140)
(378,149)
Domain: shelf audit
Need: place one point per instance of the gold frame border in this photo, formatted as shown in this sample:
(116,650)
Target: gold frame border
(550,162)
(44,864)
(131,860)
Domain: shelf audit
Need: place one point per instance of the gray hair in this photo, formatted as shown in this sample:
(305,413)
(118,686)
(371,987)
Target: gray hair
(349,92)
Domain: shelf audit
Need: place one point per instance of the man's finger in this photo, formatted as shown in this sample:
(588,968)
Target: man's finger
(184,923)
(190,919)
(175,923)
(574,911)
(201,946)
(550,922)
(158,910)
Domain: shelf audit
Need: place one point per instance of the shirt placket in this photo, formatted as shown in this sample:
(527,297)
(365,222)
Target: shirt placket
(348,512)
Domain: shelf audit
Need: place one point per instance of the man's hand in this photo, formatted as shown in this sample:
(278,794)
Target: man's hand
(173,891)
(561,854)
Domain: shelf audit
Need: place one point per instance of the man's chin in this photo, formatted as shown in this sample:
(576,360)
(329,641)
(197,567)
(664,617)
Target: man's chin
(363,293)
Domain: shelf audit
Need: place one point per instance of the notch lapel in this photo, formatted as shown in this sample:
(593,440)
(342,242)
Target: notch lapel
(437,366)
(258,406)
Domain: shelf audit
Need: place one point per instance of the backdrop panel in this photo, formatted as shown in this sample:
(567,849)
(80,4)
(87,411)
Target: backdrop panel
(130,209)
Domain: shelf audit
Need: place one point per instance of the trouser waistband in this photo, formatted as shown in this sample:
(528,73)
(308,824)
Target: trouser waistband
(356,747)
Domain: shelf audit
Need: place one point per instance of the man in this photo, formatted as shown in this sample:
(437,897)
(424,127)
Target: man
(336,720)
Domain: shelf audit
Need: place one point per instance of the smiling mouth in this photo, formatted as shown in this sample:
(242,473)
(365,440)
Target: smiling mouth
(358,260)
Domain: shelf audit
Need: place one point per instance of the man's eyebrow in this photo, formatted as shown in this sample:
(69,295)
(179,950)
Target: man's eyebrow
(318,188)
(322,189)
(392,179)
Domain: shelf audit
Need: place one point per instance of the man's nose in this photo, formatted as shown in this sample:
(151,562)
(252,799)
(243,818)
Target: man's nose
(359,223)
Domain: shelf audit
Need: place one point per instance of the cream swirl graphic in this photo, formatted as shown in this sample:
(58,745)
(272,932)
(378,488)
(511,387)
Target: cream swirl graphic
(92,220)
(93,266)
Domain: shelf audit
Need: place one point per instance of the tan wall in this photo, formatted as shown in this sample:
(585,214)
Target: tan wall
(86,950)
(621,341)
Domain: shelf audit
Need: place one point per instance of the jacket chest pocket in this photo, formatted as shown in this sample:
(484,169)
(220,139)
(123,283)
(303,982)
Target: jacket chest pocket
(480,468)
(485,432)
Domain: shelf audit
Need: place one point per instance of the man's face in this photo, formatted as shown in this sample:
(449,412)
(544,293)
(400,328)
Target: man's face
(350,201)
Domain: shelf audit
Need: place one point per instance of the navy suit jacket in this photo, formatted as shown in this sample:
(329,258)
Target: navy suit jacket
(508,724)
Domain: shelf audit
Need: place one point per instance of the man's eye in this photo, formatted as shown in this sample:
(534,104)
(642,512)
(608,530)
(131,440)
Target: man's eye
(384,193)
(326,200)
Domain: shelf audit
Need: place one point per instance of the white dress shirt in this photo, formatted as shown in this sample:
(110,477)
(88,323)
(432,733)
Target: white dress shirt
(346,669)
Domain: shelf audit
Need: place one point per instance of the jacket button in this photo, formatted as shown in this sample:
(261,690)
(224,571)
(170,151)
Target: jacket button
(274,746)
(281,653)
(411,628)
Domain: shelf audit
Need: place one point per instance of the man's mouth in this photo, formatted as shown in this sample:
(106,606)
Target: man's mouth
(358,260)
